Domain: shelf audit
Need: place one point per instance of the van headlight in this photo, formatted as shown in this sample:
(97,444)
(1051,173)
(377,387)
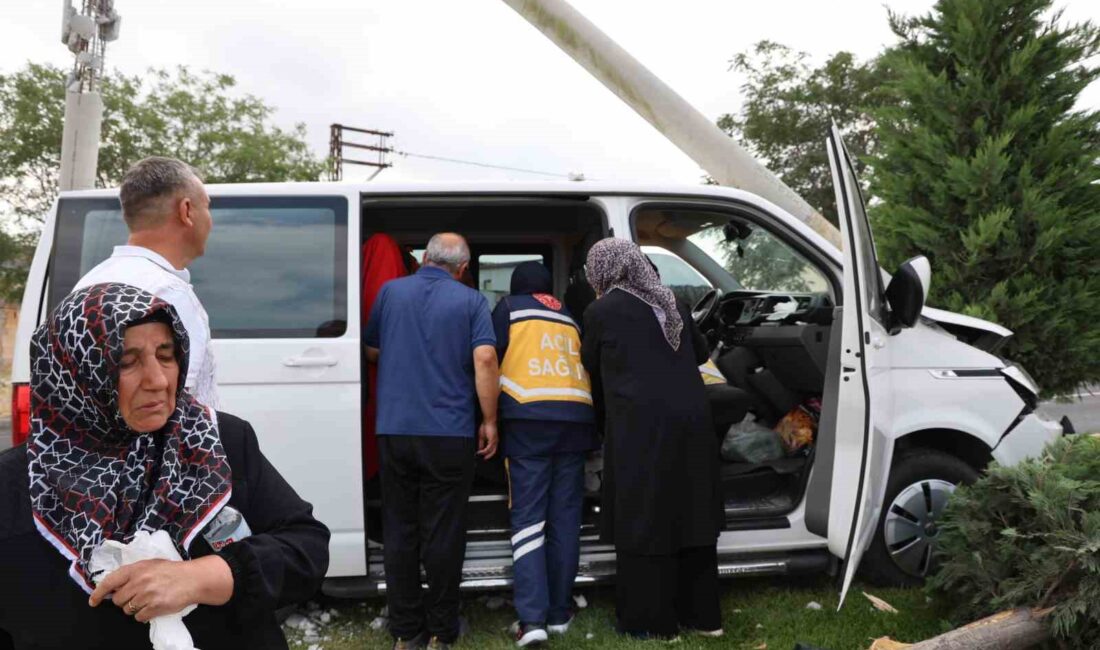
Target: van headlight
(1022,383)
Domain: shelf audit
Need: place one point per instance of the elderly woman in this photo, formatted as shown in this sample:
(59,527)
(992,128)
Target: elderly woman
(662,505)
(118,446)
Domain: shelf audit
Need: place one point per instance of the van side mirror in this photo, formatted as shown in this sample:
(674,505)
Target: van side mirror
(907,292)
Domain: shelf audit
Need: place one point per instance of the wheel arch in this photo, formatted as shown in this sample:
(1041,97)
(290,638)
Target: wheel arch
(964,446)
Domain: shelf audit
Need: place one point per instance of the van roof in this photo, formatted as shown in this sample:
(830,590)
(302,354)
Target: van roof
(461,187)
(538,188)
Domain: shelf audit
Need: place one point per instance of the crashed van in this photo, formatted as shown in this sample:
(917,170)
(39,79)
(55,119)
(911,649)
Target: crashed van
(913,401)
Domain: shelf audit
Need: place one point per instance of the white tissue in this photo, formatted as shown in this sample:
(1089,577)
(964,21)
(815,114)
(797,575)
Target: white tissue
(783,309)
(166,632)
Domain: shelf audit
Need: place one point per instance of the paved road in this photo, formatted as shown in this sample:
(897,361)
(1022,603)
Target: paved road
(5,432)
(1083,411)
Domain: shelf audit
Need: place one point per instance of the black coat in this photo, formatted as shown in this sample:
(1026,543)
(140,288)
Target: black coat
(660,479)
(283,562)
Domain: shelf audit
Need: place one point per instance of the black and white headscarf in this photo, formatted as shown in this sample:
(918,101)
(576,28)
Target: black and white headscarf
(620,264)
(92,478)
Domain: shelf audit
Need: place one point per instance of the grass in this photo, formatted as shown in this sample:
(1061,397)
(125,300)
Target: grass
(757,614)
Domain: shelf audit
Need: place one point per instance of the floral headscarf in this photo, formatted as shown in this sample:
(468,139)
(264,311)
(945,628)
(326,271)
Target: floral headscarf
(92,478)
(620,264)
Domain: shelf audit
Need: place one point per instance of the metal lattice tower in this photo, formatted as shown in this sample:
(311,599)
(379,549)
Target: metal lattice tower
(86,34)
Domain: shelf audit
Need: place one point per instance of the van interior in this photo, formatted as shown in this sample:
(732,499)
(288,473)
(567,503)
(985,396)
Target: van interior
(764,307)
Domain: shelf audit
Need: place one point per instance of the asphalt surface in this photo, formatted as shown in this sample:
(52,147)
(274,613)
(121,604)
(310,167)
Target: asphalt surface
(1083,410)
(5,432)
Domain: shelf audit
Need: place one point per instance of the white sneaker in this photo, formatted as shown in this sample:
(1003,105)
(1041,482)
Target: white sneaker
(714,634)
(526,635)
(560,628)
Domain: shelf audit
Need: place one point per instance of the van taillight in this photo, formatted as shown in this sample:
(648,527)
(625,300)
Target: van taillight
(20,413)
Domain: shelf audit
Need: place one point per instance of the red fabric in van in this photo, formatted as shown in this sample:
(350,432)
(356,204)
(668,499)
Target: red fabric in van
(383,260)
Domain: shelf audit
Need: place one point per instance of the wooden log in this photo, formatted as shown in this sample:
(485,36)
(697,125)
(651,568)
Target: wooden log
(1015,629)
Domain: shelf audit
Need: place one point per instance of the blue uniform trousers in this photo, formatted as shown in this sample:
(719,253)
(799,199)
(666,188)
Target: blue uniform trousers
(547,494)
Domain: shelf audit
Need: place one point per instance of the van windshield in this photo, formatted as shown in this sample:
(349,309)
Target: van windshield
(761,261)
(754,257)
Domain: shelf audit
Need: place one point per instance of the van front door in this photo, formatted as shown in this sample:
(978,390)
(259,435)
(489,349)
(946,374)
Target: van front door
(851,466)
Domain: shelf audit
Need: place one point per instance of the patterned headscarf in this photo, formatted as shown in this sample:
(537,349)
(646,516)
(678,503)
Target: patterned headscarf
(93,478)
(620,264)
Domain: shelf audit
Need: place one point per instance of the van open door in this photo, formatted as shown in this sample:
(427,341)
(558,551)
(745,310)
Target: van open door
(851,466)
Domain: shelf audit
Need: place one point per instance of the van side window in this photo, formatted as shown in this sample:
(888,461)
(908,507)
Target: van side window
(494,273)
(274,267)
(687,284)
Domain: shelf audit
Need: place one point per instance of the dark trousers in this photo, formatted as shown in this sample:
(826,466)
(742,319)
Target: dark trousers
(426,484)
(547,494)
(658,595)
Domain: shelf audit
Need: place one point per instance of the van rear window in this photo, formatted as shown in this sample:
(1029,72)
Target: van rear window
(274,267)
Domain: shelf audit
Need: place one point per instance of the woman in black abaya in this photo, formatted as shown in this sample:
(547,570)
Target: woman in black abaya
(662,505)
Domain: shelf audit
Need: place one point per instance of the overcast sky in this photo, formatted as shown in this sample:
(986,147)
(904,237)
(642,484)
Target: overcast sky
(471,79)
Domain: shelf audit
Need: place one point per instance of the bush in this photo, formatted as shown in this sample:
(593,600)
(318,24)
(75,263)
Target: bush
(1029,536)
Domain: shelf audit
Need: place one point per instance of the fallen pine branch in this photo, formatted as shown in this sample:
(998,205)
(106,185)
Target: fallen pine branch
(1015,629)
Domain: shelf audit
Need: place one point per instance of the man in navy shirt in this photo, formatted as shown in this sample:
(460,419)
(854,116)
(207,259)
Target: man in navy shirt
(433,341)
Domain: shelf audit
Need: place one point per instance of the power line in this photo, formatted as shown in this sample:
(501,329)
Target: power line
(410,154)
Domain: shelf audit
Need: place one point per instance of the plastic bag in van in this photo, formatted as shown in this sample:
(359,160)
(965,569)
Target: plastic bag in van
(748,441)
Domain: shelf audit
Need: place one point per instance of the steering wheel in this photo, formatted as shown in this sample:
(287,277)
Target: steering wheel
(705,307)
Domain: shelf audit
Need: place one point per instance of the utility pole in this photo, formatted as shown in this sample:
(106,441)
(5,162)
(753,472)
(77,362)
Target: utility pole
(687,128)
(86,34)
(337,143)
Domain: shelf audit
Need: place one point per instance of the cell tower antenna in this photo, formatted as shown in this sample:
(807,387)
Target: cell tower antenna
(86,33)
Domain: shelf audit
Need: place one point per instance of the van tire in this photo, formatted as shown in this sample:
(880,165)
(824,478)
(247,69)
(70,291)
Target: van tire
(916,467)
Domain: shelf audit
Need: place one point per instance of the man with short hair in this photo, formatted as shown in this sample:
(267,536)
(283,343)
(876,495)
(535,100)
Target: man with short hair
(167,212)
(433,341)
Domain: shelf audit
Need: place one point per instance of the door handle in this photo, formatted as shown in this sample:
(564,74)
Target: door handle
(323,361)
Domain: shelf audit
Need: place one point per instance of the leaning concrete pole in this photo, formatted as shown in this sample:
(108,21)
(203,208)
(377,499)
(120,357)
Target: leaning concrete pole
(80,140)
(679,121)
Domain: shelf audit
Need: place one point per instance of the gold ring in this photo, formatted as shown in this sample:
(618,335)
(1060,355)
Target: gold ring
(133,610)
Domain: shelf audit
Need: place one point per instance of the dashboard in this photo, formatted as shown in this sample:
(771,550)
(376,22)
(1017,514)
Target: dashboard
(752,308)
(788,331)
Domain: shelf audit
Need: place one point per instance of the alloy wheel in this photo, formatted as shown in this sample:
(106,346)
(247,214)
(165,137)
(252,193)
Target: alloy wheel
(912,524)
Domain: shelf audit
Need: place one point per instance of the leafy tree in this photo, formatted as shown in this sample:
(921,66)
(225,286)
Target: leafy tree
(16,251)
(789,107)
(1029,536)
(196,117)
(986,166)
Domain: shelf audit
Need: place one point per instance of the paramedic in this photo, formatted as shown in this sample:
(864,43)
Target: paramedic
(547,425)
(433,341)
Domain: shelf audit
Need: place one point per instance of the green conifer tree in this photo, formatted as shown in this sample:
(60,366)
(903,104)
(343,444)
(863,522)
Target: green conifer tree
(987,166)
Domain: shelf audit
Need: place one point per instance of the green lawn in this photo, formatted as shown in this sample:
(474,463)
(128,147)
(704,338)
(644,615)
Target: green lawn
(755,612)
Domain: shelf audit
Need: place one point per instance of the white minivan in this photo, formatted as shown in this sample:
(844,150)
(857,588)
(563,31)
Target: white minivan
(914,401)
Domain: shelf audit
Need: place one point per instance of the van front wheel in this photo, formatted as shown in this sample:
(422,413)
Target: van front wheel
(921,482)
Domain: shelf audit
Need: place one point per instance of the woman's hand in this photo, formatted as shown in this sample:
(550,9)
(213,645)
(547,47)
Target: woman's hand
(152,588)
